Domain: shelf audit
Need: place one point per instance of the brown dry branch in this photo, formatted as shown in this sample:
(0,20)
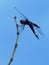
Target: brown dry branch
(16,44)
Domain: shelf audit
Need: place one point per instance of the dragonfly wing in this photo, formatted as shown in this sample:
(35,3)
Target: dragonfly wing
(32,28)
(39,30)
(36,25)
(21,28)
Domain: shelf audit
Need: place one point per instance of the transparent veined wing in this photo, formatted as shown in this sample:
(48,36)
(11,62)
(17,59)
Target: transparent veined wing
(39,30)
(21,28)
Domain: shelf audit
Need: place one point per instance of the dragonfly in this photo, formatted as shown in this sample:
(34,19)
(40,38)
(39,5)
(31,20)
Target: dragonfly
(29,23)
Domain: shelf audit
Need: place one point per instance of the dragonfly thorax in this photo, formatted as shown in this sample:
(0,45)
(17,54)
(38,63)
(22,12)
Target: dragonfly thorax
(25,22)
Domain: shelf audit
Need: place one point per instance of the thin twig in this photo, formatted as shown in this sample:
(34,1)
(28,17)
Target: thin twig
(16,44)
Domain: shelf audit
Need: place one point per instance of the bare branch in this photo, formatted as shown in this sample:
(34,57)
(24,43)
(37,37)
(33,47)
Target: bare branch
(16,44)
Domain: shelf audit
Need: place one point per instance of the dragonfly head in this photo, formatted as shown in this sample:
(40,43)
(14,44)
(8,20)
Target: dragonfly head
(21,21)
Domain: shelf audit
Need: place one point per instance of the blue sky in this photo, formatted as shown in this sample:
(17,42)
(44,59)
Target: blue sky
(30,51)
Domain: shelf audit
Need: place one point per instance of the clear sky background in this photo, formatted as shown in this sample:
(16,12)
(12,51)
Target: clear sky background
(30,51)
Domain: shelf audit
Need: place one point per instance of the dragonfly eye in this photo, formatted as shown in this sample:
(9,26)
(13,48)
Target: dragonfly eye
(22,21)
